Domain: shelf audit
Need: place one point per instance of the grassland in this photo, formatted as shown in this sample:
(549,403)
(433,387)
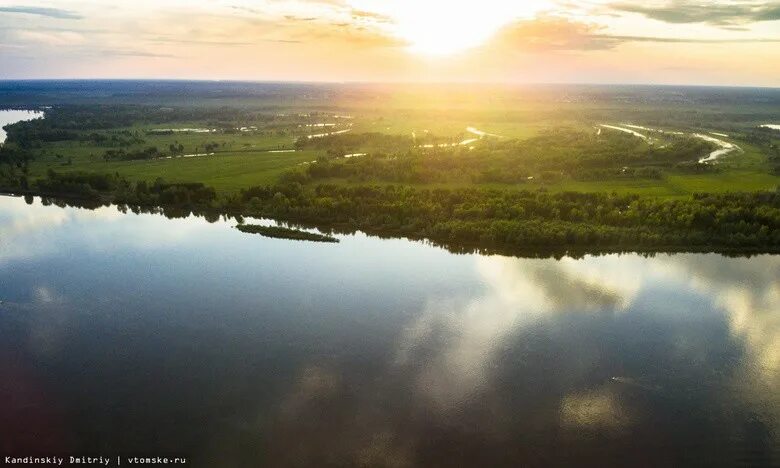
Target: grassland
(230,170)
(226,172)
(275,117)
(240,159)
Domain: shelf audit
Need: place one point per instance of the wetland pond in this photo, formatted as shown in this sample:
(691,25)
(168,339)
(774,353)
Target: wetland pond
(137,334)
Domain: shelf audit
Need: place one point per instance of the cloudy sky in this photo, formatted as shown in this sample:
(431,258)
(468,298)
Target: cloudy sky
(623,41)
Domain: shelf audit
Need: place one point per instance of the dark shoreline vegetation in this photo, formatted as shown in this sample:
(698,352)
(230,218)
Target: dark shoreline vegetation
(522,223)
(278,232)
(568,186)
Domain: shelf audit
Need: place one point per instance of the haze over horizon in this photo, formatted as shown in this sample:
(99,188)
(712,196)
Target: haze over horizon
(733,43)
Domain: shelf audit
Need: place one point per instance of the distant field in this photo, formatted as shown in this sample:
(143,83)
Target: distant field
(226,172)
(240,160)
(679,185)
(671,186)
(244,160)
(275,117)
(192,143)
(453,124)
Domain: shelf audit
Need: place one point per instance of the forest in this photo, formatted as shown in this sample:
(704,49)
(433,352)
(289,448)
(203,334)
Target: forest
(470,219)
(526,219)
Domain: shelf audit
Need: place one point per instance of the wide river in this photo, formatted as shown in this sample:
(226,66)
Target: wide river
(124,333)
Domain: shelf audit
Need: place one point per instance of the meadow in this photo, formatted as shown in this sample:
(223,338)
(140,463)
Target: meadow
(247,144)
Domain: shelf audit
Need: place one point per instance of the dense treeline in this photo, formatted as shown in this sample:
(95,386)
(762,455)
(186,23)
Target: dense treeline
(133,155)
(118,189)
(32,135)
(161,193)
(525,219)
(151,152)
(78,118)
(86,185)
(14,166)
(766,138)
(505,220)
(104,125)
(113,139)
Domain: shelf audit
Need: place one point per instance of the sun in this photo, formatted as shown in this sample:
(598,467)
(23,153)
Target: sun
(432,28)
(440,28)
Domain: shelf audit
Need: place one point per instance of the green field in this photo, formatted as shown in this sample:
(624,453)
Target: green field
(226,172)
(241,160)
(238,163)
(671,186)
(243,134)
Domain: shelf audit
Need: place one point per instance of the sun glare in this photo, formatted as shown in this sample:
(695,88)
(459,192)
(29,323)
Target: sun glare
(446,27)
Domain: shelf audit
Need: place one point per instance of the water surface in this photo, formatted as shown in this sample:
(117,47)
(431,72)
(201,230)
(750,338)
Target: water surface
(124,333)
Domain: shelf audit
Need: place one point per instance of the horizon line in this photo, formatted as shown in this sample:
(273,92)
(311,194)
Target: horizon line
(391,83)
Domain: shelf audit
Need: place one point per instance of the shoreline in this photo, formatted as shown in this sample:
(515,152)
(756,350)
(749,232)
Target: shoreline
(457,247)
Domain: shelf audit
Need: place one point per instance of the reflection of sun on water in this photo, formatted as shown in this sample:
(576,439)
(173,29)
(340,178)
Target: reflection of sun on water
(445,27)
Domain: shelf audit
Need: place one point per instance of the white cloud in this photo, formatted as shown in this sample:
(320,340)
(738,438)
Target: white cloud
(51,38)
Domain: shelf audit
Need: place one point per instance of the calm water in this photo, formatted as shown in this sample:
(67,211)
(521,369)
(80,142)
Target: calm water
(138,334)
(13,116)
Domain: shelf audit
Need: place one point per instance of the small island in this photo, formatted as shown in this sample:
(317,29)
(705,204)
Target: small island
(277,232)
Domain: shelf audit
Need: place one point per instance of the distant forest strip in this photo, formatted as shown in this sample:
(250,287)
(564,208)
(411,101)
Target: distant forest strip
(528,219)
(466,219)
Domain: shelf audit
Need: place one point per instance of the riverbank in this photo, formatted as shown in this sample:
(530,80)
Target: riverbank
(517,222)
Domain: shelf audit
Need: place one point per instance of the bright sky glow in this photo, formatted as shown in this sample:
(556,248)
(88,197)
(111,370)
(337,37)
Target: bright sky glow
(439,27)
(710,42)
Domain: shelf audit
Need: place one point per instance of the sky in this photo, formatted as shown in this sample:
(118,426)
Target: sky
(702,42)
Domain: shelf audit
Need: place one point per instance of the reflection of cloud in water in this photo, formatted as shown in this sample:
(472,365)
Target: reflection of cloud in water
(20,222)
(599,409)
(470,333)
(755,315)
(29,231)
(45,295)
(749,290)
(322,415)
(46,320)
(32,231)
(314,384)
(549,348)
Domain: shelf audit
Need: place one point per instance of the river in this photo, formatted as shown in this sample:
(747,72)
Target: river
(134,333)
